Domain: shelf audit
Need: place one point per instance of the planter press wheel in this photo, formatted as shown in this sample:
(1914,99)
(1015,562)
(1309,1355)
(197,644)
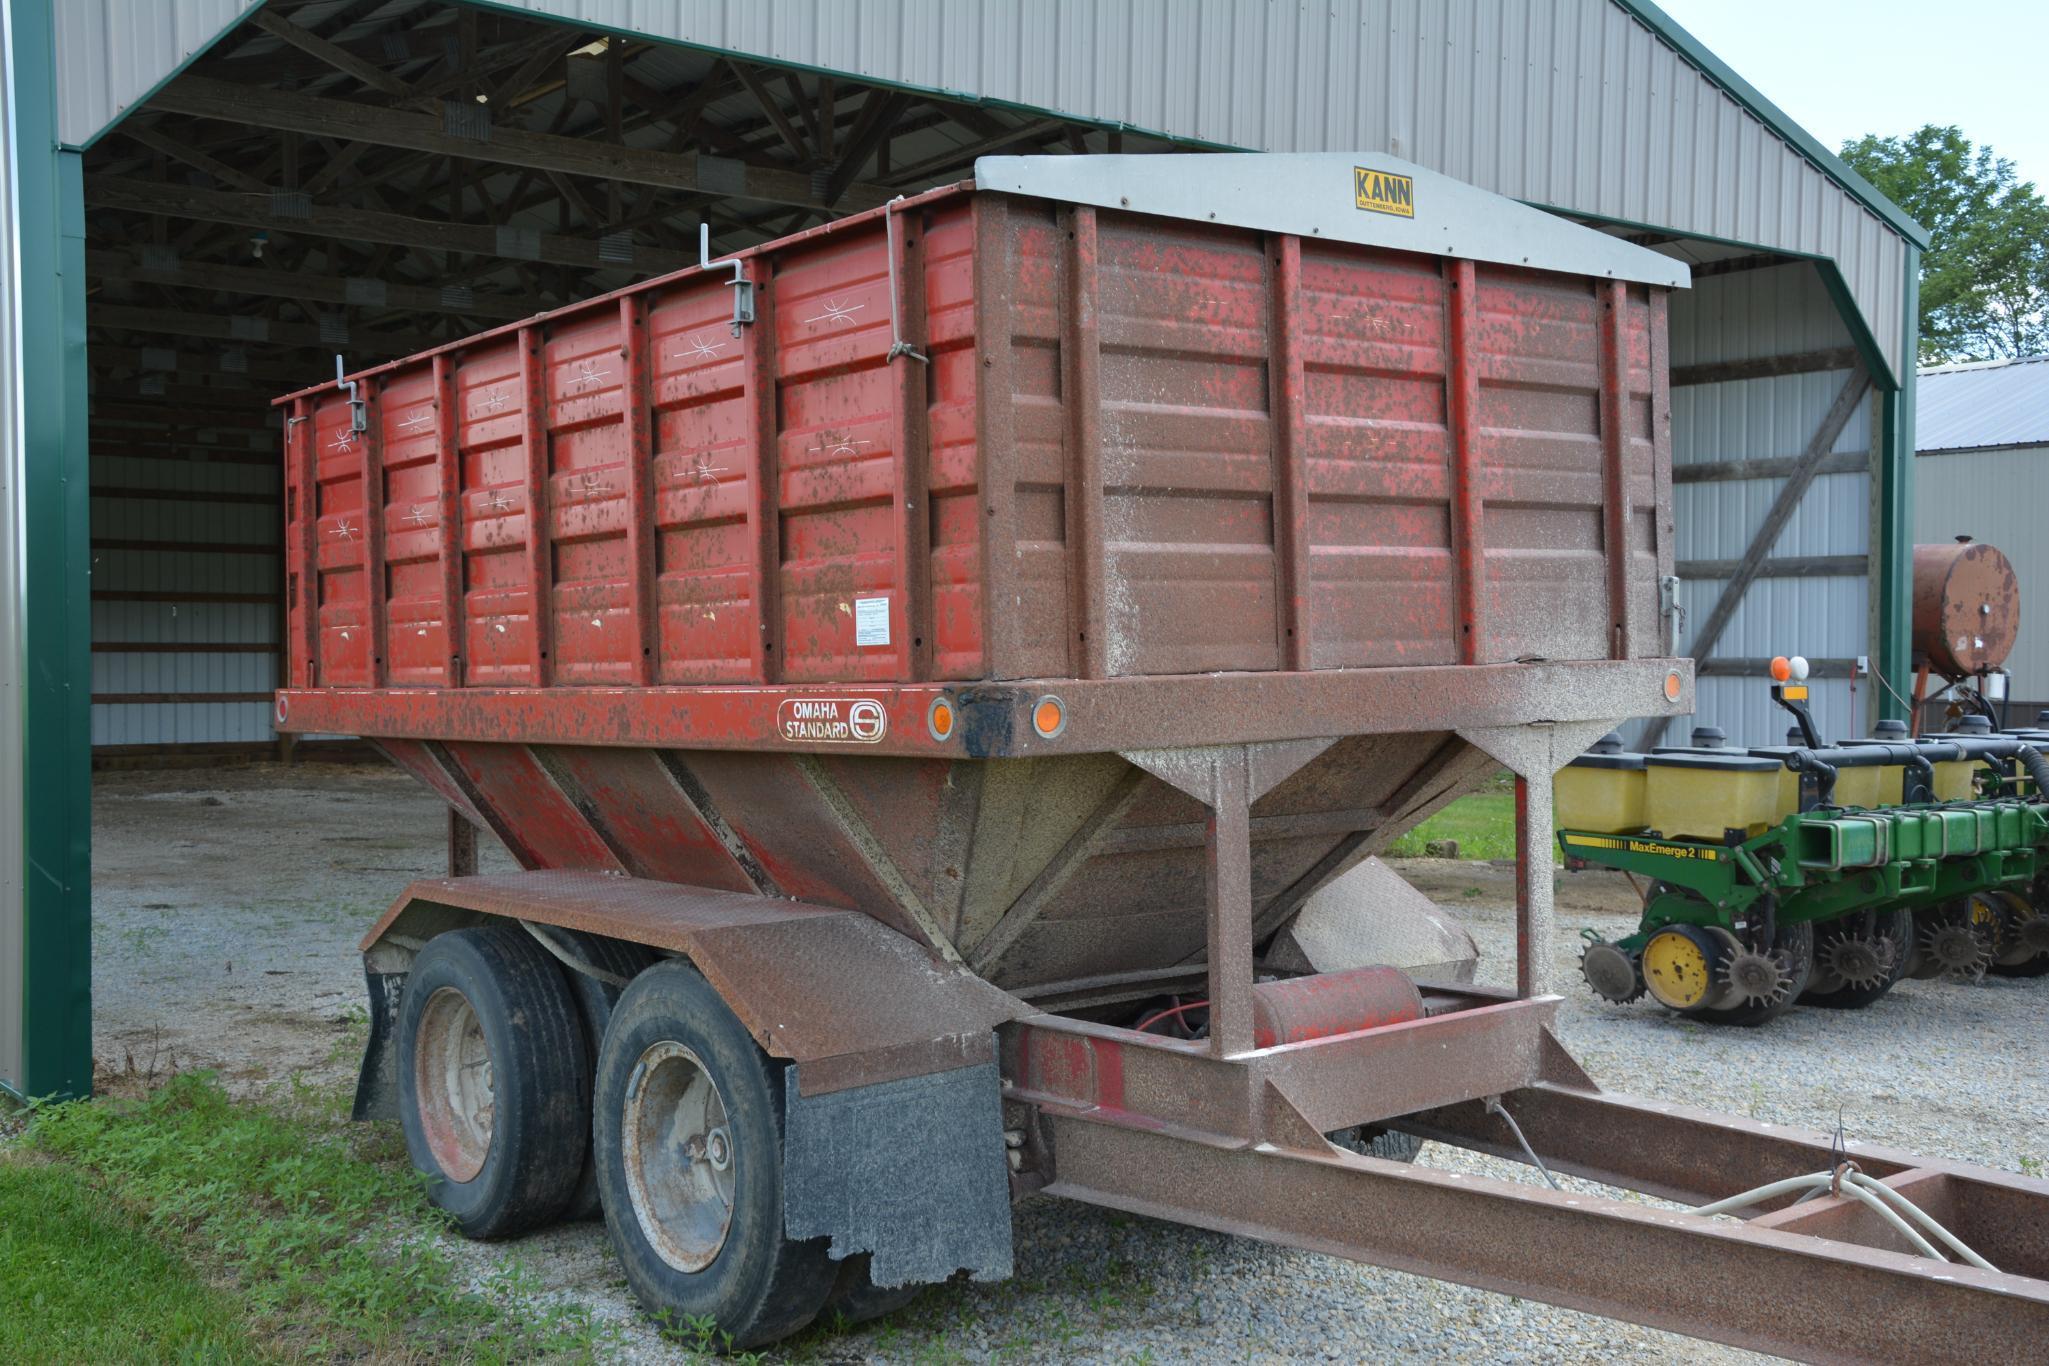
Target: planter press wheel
(1851,968)
(689,1135)
(1953,940)
(1690,968)
(492,1075)
(2023,938)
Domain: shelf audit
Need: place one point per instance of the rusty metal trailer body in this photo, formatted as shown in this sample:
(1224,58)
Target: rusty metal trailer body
(954,627)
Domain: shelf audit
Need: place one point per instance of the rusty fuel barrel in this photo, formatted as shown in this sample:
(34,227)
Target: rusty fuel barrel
(1967,607)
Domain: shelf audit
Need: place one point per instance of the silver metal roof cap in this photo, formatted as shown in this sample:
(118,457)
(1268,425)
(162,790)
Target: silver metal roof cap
(1373,200)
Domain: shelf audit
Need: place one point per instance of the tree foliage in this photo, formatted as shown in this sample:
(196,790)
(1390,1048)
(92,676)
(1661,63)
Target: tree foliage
(1985,276)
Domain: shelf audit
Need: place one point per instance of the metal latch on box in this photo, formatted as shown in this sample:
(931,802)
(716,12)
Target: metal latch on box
(743,288)
(1670,612)
(359,407)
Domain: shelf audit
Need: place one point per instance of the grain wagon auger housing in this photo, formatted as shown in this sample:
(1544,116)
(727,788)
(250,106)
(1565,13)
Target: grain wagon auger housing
(919,711)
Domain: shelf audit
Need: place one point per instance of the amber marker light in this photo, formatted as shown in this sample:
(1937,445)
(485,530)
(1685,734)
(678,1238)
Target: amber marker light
(1049,717)
(1782,668)
(1672,686)
(939,720)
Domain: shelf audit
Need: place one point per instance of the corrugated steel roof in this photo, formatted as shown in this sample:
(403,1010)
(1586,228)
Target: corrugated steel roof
(1990,403)
(1601,108)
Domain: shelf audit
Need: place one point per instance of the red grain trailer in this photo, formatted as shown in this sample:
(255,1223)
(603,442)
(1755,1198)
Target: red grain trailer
(924,665)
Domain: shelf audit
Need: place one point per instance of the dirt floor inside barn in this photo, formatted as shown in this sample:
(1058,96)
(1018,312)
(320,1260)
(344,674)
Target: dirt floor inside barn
(228,903)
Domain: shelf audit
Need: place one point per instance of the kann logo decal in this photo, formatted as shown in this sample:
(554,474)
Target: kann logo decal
(1384,192)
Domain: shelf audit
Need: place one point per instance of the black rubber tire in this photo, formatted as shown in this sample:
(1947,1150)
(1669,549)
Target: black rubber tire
(855,1299)
(2037,966)
(1797,941)
(1899,925)
(760,1286)
(597,1000)
(1390,1145)
(540,1069)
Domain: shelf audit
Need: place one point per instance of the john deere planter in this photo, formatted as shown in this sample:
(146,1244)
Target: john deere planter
(1812,872)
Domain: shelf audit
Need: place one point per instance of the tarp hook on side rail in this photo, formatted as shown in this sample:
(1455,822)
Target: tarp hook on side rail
(897,345)
(743,288)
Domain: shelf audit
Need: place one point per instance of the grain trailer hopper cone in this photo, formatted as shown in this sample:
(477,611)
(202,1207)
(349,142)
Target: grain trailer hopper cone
(952,638)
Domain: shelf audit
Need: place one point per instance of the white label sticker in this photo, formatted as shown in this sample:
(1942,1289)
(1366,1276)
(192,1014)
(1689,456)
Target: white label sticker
(871,621)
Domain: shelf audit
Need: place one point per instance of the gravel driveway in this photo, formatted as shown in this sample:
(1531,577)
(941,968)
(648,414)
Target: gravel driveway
(227,904)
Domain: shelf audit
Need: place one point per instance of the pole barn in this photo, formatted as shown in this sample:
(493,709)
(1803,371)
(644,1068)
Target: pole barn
(209,199)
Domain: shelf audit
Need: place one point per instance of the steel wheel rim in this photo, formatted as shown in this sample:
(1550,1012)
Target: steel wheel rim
(455,1084)
(681,1159)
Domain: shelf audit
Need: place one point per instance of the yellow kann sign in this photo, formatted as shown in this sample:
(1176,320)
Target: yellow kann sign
(1383,192)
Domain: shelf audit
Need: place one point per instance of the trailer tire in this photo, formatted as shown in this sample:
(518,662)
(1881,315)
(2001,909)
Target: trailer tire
(492,1070)
(1389,1145)
(689,1136)
(597,999)
(856,1299)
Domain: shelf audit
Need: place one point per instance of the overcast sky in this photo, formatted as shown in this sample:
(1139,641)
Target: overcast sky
(1844,68)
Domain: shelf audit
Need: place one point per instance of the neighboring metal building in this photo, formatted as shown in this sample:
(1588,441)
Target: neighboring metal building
(335,175)
(1982,470)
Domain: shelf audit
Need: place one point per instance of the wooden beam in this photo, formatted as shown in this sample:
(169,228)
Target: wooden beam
(1736,265)
(115,490)
(349,291)
(770,107)
(1848,399)
(333,54)
(871,126)
(369,225)
(1766,367)
(1784,567)
(1770,467)
(254,416)
(171,322)
(198,97)
(187,547)
(179,647)
(155,139)
(152,699)
(963,157)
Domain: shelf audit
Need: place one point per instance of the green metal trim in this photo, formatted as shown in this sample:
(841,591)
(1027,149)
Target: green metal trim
(1744,93)
(1893,558)
(173,74)
(56,804)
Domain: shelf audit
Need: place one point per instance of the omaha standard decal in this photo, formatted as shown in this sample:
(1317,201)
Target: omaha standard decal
(832,720)
(1384,192)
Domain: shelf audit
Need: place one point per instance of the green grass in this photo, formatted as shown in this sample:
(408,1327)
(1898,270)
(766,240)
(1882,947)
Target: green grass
(67,1258)
(314,1234)
(1482,822)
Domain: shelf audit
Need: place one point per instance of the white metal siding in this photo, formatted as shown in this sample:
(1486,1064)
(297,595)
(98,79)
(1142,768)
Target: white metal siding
(1997,497)
(112,53)
(1756,313)
(166,619)
(1572,104)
